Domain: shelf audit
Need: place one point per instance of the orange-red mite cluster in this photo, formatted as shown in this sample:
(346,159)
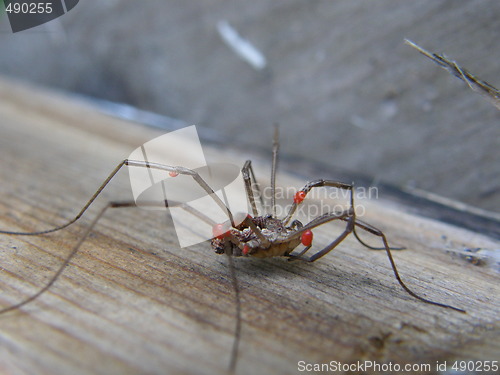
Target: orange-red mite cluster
(220,231)
(299,196)
(173,174)
(307,238)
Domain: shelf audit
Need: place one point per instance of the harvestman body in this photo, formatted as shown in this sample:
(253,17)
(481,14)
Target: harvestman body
(257,236)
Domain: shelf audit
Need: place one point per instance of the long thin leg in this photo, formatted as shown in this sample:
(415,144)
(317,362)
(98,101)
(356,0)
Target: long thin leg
(336,184)
(250,182)
(333,245)
(66,261)
(276,146)
(167,203)
(115,204)
(346,216)
(302,193)
(121,204)
(374,247)
(189,172)
(352,222)
(237,328)
(87,205)
(141,164)
(378,233)
(200,215)
(314,223)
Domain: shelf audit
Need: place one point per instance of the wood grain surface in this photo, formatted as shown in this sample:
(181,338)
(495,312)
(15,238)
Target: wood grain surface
(133,302)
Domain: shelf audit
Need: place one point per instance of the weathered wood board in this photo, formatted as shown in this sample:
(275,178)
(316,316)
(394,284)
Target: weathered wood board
(133,302)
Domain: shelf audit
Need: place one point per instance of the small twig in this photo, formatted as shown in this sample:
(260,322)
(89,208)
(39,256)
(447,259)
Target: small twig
(477,85)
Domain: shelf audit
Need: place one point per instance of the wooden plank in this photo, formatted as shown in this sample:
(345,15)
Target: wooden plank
(133,302)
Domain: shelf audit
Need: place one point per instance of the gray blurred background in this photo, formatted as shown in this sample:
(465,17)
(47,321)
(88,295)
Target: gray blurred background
(345,89)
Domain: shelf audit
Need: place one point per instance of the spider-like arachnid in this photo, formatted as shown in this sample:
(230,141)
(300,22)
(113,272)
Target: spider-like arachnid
(269,236)
(257,235)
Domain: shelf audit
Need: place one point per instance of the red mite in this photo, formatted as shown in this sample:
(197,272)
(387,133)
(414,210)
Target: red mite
(299,196)
(307,238)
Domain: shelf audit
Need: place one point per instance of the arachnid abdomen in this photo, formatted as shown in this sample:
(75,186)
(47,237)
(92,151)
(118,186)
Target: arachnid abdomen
(276,241)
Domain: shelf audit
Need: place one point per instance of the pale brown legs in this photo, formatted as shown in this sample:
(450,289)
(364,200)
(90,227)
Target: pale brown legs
(352,223)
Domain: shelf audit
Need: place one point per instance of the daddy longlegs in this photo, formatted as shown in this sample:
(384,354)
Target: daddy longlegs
(258,235)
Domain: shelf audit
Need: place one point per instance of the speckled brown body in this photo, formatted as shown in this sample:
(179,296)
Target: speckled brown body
(280,243)
(276,249)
